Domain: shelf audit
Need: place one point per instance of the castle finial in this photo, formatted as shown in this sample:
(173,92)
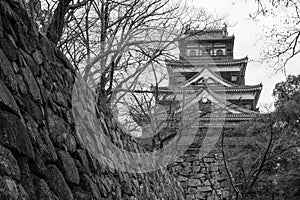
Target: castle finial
(225,29)
(187,28)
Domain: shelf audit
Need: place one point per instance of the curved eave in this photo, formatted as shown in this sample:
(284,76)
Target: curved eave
(232,62)
(219,63)
(257,95)
(206,37)
(231,117)
(239,89)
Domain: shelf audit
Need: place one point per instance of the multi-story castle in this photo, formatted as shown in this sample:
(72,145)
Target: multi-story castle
(208,72)
(206,66)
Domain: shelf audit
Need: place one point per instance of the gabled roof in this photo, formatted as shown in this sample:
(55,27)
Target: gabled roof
(216,100)
(207,73)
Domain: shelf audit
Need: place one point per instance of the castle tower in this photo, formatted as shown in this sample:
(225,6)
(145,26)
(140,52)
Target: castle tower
(206,63)
(207,71)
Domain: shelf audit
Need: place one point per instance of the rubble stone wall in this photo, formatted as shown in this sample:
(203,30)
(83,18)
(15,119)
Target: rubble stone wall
(40,154)
(202,178)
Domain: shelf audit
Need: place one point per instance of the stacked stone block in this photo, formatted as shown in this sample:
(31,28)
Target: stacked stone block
(40,154)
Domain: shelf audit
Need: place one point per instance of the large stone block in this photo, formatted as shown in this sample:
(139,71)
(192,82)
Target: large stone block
(32,108)
(9,76)
(10,190)
(68,167)
(8,164)
(205,189)
(190,197)
(7,99)
(82,162)
(43,191)
(13,134)
(31,83)
(182,178)
(10,48)
(91,186)
(40,139)
(57,183)
(29,62)
(26,177)
(194,182)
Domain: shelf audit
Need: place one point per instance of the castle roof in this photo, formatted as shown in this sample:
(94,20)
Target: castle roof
(225,62)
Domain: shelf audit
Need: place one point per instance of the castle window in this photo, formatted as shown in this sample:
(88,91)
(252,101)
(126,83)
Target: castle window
(220,52)
(248,106)
(192,53)
(234,78)
(179,79)
(230,50)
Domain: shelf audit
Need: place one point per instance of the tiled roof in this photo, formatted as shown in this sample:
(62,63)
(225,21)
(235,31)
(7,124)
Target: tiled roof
(237,88)
(231,117)
(209,62)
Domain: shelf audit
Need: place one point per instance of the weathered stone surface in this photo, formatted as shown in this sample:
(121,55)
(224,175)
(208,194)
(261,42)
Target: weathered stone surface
(10,49)
(68,167)
(32,108)
(21,85)
(213,198)
(30,62)
(47,49)
(38,166)
(84,163)
(48,150)
(182,178)
(105,183)
(194,182)
(57,183)
(31,83)
(36,82)
(79,194)
(59,132)
(9,76)
(67,141)
(8,164)
(221,177)
(205,189)
(13,134)
(10,190)
(43,191)
(40,139)
(190,197)
(7,99)
(37,56)
(192,190)
(91,186)
(26,178)
(200,195)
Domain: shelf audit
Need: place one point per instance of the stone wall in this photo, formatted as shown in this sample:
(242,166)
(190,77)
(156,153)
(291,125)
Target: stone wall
(202,178)
(40,155)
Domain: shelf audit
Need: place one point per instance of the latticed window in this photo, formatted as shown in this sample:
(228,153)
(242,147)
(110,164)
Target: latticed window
(193,53)
(220,52)
(234,78)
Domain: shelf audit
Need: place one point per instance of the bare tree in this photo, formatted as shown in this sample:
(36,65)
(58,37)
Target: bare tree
(114,42)
(281,35)
(253,169)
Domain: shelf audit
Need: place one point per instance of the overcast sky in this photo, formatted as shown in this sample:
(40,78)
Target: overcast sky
(247,34)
